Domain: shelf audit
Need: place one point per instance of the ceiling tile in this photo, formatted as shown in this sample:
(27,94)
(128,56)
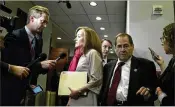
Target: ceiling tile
(69,28)
(76,8)
(61,19)
(99,9)
(83,24)
(93,18)
(117,25)
(53,7)
(116,7)
(98,25)
(117,18)
(79,18)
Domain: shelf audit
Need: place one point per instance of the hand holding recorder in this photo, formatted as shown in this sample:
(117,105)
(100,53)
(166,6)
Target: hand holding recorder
(158,59)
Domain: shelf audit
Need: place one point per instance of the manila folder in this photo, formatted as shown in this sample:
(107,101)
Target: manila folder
(74,80)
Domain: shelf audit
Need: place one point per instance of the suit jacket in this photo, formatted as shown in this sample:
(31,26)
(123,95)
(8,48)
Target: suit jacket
(166,83)
(142,73)
(17,52)
(4,67)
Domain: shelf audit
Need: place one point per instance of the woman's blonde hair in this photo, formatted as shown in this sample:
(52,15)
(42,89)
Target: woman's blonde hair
(91,39)
(37,11)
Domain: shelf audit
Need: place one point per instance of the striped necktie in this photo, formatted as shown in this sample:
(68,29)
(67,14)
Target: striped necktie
(33,43)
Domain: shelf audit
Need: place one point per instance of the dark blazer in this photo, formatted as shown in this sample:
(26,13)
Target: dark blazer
(17,52)
(166,83)
(4,67)
(143,73)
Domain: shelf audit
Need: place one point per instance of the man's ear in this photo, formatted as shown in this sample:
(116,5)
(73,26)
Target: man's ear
(32,18)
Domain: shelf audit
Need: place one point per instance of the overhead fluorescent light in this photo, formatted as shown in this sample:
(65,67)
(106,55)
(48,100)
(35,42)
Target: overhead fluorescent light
(111,52)
(102,28)
(93,3)
(58,38)
(98,18)
(105,36)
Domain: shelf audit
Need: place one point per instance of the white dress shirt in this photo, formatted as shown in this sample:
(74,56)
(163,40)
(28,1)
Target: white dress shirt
(122,90)
(105,61)
(30,35)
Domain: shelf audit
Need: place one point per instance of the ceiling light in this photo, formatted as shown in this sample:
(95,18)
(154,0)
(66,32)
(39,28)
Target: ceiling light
(102,28)
(111,52)
(93,3)
(58,38)
(105,36)
(98,18)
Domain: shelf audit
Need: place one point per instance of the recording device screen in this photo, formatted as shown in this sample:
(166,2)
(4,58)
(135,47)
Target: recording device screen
(37,89)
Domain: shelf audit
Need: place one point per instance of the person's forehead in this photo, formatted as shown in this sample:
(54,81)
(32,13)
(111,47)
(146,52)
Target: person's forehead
(106,43)
(45,16)
(81,31)
(122,39)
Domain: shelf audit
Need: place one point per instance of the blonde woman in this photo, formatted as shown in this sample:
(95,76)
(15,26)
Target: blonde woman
(90,61)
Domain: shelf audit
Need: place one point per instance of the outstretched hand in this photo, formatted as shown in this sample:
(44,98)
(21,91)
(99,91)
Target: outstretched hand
(144,92)
(19,71)
(48,64)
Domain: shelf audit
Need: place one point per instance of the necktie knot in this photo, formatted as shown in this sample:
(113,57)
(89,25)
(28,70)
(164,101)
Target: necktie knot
(120,64)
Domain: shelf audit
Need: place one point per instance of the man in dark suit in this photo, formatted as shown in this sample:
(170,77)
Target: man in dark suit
(106,45)
(18,71)
(128,81)
(21,47)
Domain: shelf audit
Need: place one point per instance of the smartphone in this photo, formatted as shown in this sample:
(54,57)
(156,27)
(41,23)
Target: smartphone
(154,55)
(37,89)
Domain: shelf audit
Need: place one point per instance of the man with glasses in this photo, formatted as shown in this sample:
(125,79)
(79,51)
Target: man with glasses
(128,81)
(106,46)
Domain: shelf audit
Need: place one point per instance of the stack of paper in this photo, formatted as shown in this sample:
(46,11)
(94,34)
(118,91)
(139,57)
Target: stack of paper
(74,80)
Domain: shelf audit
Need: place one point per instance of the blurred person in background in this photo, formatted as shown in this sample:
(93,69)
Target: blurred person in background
(106,46)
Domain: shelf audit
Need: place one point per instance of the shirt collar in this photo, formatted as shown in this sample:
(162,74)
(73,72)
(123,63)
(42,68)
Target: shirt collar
(105,59)
(30,35)
(128,62)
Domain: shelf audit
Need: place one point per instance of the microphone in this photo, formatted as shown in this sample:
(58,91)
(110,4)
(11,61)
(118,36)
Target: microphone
(61,56)
(41,57)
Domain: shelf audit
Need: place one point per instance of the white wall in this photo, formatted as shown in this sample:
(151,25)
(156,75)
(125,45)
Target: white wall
(146,29)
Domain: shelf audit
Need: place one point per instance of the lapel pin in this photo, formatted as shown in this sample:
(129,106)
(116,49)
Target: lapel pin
(135,70)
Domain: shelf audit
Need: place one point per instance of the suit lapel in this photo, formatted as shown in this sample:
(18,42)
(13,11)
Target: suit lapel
(111,70)
(134,78)
(25,40)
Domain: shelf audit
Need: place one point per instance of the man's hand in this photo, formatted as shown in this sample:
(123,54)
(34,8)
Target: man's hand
(19,71)
(48,64)
(144,92)
(159,91)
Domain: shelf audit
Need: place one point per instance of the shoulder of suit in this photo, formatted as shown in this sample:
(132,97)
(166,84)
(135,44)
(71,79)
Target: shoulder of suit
(143,60)
(111,62)
(19,32)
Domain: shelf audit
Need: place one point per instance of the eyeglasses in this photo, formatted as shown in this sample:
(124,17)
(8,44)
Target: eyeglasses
(162,39)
